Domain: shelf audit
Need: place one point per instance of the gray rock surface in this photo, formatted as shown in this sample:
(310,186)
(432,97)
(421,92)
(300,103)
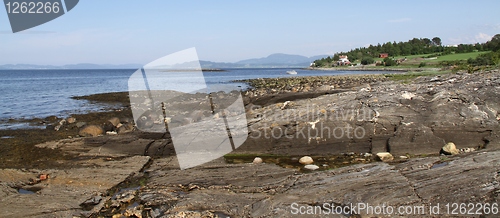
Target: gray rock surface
(416,118)
(246,190)
(64,191)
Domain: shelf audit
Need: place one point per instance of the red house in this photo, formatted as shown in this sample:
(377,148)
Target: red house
(383,55)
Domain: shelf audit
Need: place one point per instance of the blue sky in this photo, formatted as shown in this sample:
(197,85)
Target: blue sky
(134,31)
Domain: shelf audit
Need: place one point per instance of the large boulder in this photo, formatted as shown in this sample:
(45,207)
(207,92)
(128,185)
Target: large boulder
(449,149)
(91,130)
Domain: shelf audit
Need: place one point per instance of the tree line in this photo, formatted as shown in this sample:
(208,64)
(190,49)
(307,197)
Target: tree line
(415,46)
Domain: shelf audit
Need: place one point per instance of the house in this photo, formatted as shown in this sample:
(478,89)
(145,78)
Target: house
(383,55)
(343,60)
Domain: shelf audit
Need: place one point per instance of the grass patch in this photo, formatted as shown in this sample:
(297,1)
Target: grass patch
(457,57)
(407,77)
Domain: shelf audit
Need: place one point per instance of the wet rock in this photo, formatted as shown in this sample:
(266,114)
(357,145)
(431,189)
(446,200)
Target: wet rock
(125,128)
(115,121)
(133,212)
(92,201)
(311,167)
(81,124)
(306,160)
(71,120)
(91,130)
(257,160)
(449,149)
(385,156)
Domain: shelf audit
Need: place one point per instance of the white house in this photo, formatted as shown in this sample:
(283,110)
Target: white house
(343,60)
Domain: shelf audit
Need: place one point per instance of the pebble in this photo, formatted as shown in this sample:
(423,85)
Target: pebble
(306,160)
(257,160)
(311,167)
(385,156)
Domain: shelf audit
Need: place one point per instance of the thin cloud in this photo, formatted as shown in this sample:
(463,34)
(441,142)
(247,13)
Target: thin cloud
(482,37)
(400,20)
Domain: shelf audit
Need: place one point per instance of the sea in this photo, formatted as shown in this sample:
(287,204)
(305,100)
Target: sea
(27,94)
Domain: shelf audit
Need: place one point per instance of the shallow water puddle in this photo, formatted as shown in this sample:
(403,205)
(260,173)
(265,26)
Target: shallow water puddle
(25,192)
(437,165)
(292,162)
(28,191)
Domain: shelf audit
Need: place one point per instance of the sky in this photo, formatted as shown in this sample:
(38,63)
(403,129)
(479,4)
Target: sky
(138,31)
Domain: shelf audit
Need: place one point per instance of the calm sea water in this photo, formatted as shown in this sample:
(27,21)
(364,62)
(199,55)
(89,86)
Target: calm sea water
(41,93)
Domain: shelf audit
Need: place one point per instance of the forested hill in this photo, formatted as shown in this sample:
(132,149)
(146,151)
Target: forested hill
(415,46)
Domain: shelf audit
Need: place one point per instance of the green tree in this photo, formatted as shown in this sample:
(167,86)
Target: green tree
(427,41)
(389,62)
(436,41)
(494,43)
(367,60)
(336,57)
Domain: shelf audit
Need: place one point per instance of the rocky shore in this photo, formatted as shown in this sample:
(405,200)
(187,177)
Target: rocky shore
(368,139)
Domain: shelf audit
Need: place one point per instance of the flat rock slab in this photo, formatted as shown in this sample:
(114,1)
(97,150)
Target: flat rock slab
(63,192)
(266,190)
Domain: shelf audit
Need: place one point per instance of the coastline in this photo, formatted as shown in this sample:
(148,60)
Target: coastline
(127,173)
(363,68)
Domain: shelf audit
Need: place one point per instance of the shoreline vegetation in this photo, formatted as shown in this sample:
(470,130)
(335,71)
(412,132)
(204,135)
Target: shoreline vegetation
(417,54)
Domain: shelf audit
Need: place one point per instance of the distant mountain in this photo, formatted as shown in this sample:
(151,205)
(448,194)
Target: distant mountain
(280,60)
(69,66)
(101,66)
(274,60)
(218,65)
